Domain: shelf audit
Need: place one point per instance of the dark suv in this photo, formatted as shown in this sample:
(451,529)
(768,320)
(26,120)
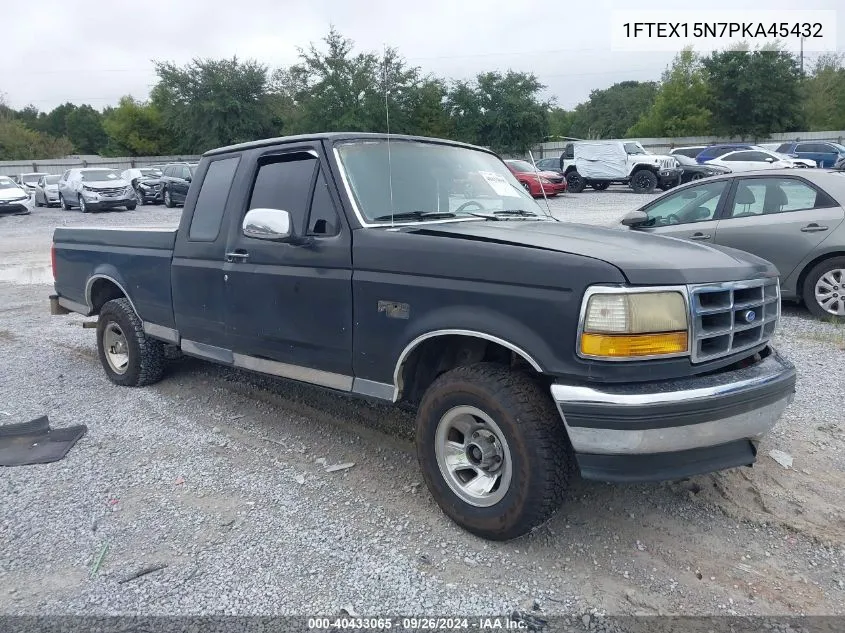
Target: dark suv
(175,182)
(826,154)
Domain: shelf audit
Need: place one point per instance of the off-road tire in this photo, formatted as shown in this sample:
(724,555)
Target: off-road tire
(808,289)
(146,355)
(643,181)
(541,456)
(575,183)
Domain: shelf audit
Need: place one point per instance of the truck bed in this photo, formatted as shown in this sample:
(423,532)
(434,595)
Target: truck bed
(135,259)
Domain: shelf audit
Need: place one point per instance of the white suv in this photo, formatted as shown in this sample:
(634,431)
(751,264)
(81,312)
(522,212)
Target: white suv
(95,188)
(599,163)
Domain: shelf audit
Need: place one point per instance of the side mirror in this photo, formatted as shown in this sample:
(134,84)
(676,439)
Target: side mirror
(769,159)
(635,218)
(268,224)
(188,179)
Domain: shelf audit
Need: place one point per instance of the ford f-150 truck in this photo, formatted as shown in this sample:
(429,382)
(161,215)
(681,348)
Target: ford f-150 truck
(419,270)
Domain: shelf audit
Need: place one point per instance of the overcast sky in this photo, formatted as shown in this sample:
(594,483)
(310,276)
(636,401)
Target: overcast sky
(95,51)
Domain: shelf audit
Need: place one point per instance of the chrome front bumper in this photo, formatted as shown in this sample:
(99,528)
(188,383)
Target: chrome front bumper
(616,426)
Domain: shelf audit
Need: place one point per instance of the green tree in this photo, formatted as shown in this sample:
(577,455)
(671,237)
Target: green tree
(611,112)
(500,111)
(679,108)
(754,93)
(208,103)
(85,130)
(560,122)
(824,94)
(18,142)
(29,116)
(54,122)
(135,129)
(335,88)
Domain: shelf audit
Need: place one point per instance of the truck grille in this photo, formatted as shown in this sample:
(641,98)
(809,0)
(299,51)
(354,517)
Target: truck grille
(732,316)
(668,163)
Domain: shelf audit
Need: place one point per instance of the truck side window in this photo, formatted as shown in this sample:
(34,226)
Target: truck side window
(286,184)
(323,219)
(208,211)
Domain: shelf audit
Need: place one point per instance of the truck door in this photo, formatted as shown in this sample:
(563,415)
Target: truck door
(199,257)
(289,305)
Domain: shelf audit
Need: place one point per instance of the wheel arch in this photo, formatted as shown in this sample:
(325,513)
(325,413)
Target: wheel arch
(436,351)
(102,287)
(805,270)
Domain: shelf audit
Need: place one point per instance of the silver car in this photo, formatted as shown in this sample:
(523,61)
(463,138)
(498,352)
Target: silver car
(28,180)
(793,218)
(95,188)
(47,191)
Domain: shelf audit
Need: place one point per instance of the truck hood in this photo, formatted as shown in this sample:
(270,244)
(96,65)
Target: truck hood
(642,257)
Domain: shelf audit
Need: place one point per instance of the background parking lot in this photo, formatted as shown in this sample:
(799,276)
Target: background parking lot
(220,475)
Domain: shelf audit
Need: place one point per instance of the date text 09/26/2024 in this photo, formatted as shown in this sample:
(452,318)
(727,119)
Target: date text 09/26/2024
(417,623)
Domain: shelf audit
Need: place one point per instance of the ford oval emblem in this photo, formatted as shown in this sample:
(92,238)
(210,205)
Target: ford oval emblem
(749,316)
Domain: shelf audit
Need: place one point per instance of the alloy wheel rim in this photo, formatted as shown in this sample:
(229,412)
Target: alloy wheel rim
(116,348)
(473,456)
(830,292)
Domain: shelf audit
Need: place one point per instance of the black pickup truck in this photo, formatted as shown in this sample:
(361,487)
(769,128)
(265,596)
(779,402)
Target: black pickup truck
(419,270)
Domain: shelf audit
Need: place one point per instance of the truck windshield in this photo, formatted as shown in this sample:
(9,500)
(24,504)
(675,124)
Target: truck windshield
(428,181)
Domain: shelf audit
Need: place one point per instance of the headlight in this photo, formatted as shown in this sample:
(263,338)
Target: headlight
(620,325)
(87,188)
(545,181)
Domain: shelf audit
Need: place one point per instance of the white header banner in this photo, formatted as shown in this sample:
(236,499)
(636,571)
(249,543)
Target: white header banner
(667,30)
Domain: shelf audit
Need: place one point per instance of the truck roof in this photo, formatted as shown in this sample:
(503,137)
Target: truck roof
(336,136)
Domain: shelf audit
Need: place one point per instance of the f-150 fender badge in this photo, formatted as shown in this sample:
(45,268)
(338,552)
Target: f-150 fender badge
(395,310)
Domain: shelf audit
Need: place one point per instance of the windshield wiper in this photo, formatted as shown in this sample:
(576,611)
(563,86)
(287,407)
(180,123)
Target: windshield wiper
(415,215)
(520,212)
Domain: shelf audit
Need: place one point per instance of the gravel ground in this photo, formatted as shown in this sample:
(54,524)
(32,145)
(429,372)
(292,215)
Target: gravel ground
(215,474)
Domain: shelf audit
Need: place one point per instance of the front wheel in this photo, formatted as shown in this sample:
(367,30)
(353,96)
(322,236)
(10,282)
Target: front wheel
(824,289)
(82,206)
(643,181)
(168,201)
(492,450)
(129,357)
(63,203)
(574,182)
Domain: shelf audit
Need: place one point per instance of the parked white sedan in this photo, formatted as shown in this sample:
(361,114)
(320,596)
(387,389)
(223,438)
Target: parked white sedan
(753,159)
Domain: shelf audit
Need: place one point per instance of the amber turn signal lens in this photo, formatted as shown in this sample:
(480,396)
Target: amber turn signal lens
(633,345)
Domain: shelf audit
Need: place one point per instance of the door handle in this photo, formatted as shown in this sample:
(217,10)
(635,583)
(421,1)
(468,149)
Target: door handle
(813,228)
(700,236)
(239,255)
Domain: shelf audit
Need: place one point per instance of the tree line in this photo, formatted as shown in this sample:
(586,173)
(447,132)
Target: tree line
(332,87)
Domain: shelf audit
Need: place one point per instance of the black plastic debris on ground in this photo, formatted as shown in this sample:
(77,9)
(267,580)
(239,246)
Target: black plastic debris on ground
(35,442)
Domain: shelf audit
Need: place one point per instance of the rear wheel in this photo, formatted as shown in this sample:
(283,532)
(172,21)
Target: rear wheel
(574,182)
(643,181)
(824,289)
(129,357)
(492,450)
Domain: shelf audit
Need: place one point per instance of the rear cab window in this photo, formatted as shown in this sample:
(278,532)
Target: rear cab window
(211,202)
